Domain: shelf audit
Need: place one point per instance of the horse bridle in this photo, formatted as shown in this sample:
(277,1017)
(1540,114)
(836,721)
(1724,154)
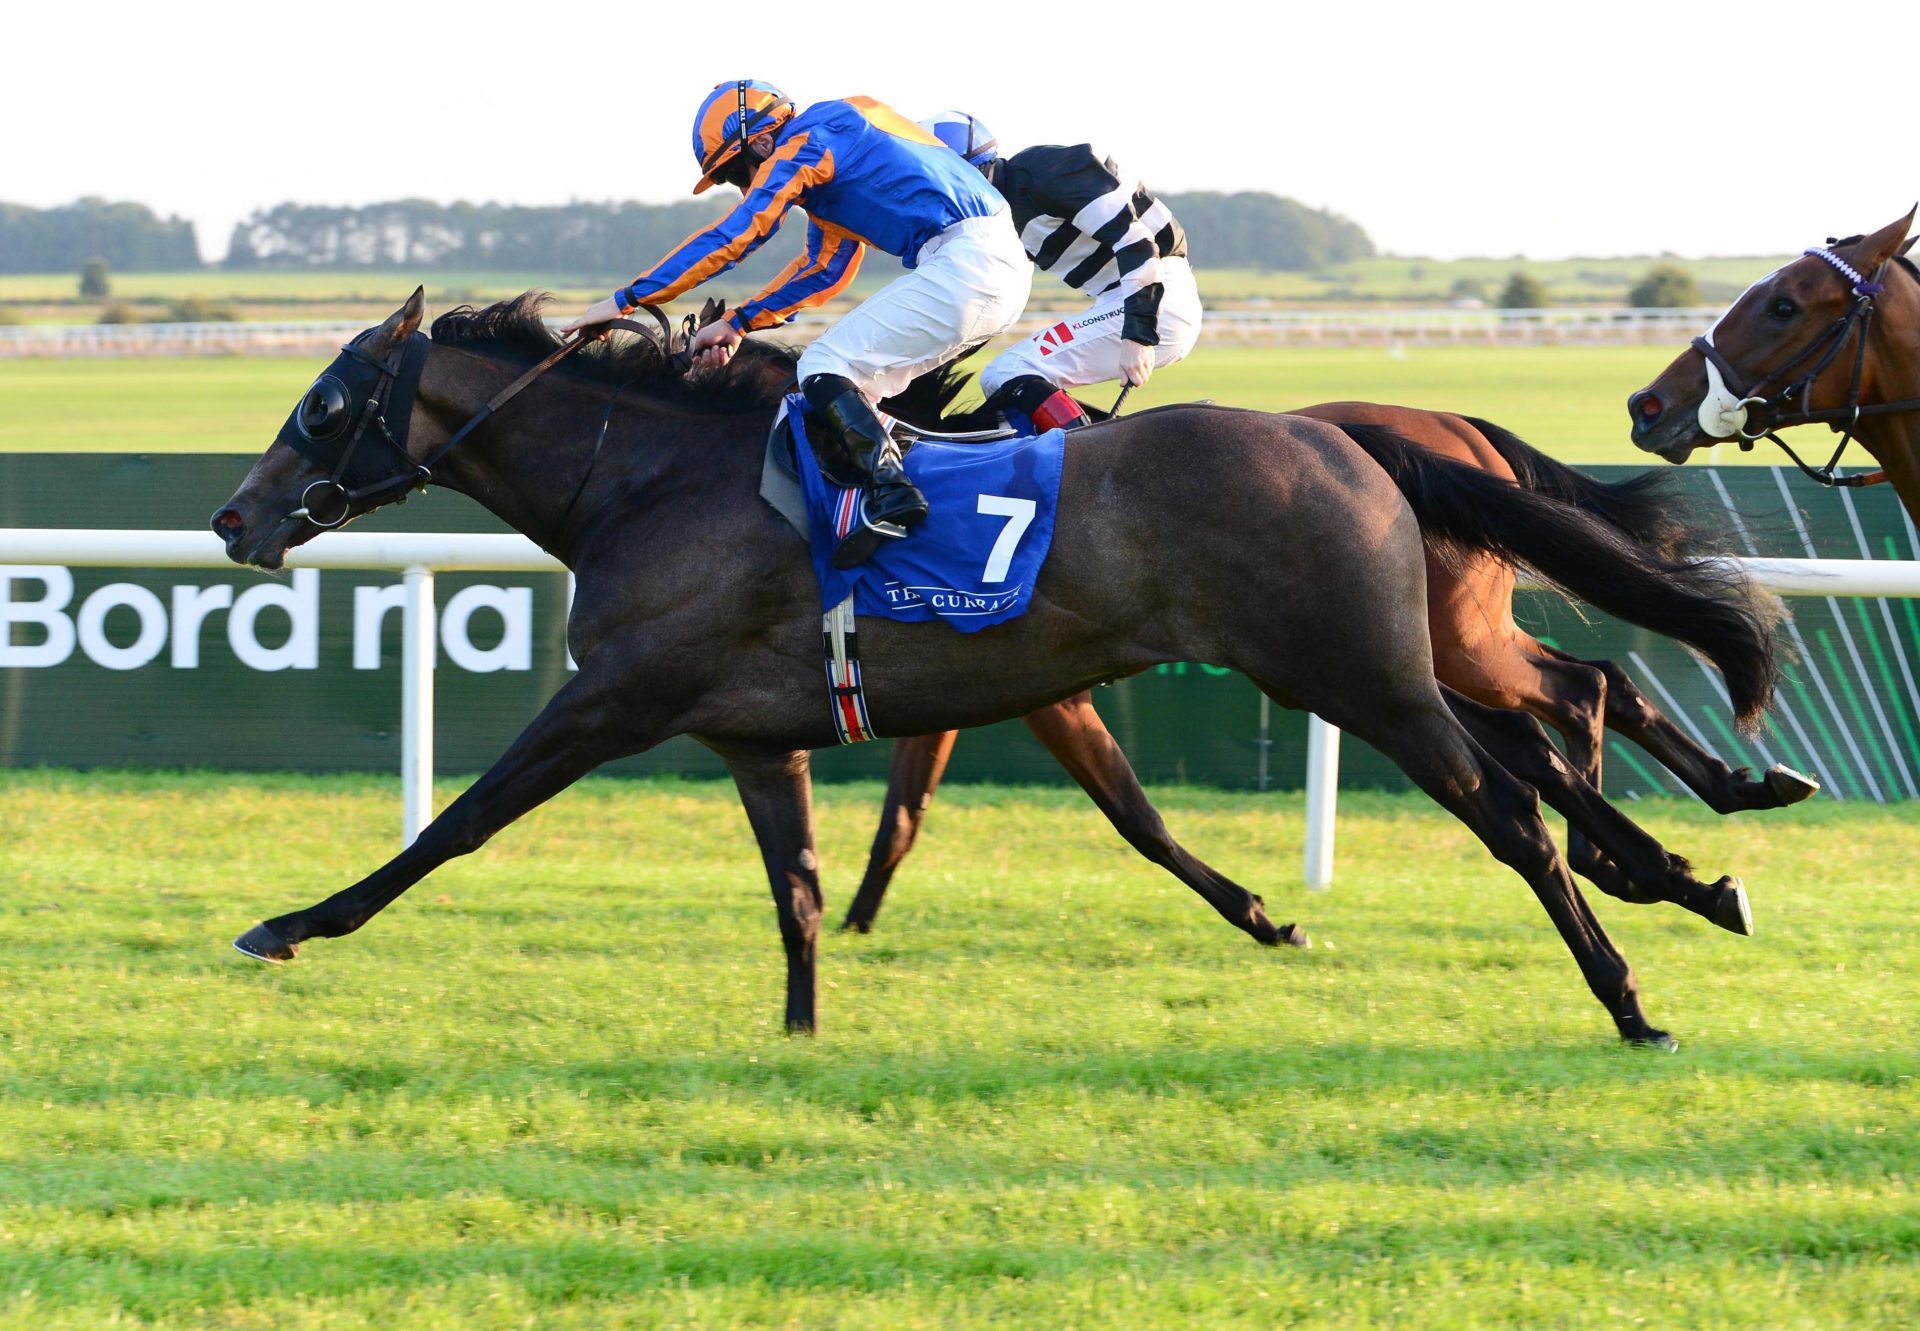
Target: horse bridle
(1763,415)
(399,376)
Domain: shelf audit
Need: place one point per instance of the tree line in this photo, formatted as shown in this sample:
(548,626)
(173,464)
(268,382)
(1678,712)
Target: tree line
(1247,230)
(1244,230)
(129,236)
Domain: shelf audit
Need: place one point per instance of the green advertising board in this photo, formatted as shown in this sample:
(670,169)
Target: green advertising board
(237,669)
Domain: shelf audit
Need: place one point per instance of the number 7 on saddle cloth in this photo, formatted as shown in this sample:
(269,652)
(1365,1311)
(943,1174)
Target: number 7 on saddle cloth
(974,561)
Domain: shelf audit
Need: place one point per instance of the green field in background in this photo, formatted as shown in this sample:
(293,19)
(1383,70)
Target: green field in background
(547,1088)
(1430,281)
(52,297)
(1570,401)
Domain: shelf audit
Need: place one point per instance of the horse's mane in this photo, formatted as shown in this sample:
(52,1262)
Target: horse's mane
(513,330)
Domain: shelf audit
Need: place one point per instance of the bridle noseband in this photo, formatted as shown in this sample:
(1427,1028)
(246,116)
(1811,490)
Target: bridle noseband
(1750,414)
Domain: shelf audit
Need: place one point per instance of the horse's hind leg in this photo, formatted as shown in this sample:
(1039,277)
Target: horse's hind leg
(1724,789)
(1431,747)
(1629,862)
(578,730)
(777,790)
(1511,670)
(1075,735)
(1571,696)
(918,764)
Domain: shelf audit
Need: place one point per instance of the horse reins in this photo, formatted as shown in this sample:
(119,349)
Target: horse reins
(1822,351)
(404,362)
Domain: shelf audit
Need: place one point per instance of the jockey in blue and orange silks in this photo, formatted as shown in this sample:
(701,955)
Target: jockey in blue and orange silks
(865,175)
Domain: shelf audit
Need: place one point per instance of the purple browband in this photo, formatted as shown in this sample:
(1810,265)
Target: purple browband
(1861,287)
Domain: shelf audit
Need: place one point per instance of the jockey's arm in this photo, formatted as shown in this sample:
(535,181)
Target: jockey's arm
(796,166)
(1138,257)
(820,273)
(1098,198)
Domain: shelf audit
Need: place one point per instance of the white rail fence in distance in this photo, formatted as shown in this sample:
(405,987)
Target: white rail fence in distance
(1582,325)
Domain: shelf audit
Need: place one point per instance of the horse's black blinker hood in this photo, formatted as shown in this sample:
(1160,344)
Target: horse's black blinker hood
(358,394)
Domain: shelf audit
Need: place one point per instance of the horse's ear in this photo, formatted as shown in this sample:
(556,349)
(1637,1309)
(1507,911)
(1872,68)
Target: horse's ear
(402,324)
(1883,244)
(1911,240)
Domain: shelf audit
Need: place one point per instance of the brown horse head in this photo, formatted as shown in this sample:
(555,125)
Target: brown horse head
(1791,323)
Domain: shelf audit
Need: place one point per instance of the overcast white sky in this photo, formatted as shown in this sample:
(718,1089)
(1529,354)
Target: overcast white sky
(1445,129)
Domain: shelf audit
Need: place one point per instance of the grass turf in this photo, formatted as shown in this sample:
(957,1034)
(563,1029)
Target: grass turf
(1053,1089)
(1569,401)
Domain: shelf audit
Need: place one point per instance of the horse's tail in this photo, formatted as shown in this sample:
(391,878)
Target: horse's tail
(1707,604)
(1645,507)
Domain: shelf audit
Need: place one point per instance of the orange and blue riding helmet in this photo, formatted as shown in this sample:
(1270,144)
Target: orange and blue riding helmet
(732,114)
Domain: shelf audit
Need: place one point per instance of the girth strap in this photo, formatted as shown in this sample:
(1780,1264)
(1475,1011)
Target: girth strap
(846,695)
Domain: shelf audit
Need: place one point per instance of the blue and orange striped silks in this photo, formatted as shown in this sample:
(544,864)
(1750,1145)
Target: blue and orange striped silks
(800,163)
(864,173)
(831,260)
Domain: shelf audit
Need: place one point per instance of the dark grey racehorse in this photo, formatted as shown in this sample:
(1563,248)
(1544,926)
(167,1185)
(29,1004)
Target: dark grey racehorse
(1273,545)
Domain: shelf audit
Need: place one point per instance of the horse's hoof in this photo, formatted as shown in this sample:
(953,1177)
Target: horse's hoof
(1730,909)
(1789,786)
(263,944)
(1292,935)
(1653,1039)
(853,926)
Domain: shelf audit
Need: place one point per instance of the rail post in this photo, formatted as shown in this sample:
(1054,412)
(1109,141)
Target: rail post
(418,646)
(1323,792)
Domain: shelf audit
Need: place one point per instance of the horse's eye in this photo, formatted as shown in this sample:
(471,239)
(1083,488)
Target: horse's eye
(1782,309)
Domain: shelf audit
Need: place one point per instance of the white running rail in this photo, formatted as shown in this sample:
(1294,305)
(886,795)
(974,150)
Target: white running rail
(415,556)
(418,556)
(1393,326)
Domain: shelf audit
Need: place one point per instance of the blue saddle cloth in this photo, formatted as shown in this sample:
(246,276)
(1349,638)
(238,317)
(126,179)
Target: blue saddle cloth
(974,561)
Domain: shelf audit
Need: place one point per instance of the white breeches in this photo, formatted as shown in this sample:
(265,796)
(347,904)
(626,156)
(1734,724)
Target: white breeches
(971,283)
(1086,348)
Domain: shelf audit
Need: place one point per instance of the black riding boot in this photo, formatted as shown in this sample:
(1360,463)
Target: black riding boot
(893,503)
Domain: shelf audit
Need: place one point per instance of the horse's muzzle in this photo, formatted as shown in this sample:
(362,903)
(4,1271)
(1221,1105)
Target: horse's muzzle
(1658,430)
(229,526)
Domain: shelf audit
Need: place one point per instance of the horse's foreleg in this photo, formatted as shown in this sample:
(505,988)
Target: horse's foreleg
(777,790)
(918,765)
(1074,734)
(1724,789)
(574,733)
(1644,870)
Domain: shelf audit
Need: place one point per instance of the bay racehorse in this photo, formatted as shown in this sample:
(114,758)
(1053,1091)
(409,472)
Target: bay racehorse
(1180,535)
(1832,338)
(1478,649)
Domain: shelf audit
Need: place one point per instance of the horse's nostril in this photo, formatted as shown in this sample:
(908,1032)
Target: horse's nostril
(1649,406)
(1645,407)
(228,524)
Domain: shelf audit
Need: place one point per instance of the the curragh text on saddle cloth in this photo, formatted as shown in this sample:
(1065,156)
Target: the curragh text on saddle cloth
(974,561)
